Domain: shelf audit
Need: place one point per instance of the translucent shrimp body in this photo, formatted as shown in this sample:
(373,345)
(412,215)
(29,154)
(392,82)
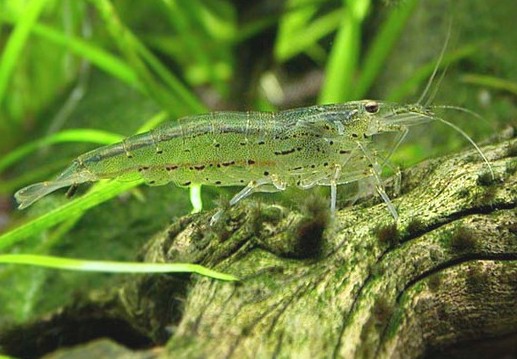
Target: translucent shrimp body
(266,152)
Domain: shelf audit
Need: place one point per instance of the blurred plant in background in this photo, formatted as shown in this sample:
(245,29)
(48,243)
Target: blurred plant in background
(79,74)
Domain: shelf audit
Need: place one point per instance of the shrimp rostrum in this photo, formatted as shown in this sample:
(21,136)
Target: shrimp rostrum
(325,145)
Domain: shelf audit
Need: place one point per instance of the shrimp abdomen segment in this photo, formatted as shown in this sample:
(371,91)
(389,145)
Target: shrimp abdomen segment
(214,149)
(222,148)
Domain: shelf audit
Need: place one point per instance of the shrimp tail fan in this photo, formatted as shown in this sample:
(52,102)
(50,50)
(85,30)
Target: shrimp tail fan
(72,176)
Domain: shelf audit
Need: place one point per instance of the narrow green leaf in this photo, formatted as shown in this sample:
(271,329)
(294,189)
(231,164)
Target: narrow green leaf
(308,36)
(425,72)
(153,122)
(101,192)
(491,82)
(176,98)
(75,135)
(17,41)
(382,46)
(96,55)
(111,266)
(342,63)
(295,19)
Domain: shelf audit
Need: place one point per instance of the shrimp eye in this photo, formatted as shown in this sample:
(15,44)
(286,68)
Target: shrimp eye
(371,107)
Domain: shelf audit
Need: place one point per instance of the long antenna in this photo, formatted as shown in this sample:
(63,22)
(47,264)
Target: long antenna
(461,109)
(438,63)
(432,96)
(463,133)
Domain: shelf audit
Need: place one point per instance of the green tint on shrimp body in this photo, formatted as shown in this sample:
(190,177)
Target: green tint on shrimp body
(265,152)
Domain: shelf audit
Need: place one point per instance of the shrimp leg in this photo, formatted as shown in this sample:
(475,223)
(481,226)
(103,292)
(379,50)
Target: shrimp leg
(333,189)
(398,140)
(376,172)
(262,185)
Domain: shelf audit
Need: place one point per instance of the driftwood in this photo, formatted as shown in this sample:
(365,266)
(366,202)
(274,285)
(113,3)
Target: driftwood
(443,279)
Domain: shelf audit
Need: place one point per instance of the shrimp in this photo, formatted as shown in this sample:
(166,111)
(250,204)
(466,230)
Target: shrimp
(325,145)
